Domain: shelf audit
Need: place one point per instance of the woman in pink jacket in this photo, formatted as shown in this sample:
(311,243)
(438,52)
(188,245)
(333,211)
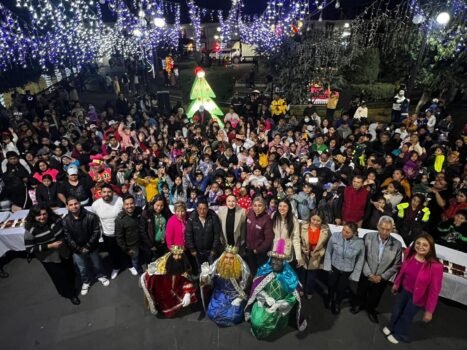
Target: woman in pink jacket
(417,286)
(175,230)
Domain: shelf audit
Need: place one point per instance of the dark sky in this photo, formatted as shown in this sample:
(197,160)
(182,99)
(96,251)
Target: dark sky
(348,9)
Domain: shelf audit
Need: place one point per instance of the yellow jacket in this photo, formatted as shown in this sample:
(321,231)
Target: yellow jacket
(278,107)
(150,184)
(332,101)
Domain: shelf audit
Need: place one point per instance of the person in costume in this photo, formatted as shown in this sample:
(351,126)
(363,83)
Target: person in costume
(274,293)
(229,276)
(168,285)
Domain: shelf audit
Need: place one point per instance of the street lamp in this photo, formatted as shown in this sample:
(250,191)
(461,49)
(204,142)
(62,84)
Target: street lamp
(443,18)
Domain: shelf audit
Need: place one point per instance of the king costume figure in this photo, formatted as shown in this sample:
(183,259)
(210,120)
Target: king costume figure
(229,276)
(167,284)
(274,293)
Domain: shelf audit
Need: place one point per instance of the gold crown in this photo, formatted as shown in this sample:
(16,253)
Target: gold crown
(231,249)
(177,249)
(272,254)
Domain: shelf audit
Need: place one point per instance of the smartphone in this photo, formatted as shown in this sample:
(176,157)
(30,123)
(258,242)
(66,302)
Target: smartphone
(313,180)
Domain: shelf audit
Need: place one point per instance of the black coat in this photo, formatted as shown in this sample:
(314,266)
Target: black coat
(130,231)
(199,238)
(48,195)
(83,232)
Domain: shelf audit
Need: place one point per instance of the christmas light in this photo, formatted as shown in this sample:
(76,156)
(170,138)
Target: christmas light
(159,22)
(443,18)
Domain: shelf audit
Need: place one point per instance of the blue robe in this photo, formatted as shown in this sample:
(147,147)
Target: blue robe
(220,309)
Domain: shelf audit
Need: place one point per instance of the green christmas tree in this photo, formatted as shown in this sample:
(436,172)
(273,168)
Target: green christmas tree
(202,95)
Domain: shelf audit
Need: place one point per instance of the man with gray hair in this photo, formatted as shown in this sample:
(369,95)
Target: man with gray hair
(383,257)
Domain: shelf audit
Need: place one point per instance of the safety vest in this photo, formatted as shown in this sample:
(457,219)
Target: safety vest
(403,206)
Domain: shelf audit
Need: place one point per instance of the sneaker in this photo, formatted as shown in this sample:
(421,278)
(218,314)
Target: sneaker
(386,331)
(105,282)
(114,274)
(85,288)
(133,271)
(392,339)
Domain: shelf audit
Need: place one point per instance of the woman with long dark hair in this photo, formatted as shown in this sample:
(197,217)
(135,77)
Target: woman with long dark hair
(157,213)
(44,238)
(314,237)
(285,226)
(417,286)
(178,192)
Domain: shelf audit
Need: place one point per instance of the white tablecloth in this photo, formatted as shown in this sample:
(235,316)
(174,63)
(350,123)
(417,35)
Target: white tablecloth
(4,215)
(13,238)
(454,287)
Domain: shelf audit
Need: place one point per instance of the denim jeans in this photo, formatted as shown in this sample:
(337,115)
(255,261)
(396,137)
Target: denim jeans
(88,262)
(136,263)
(402,315)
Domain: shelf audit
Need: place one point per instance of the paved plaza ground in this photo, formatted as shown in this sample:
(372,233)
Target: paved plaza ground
(33,316)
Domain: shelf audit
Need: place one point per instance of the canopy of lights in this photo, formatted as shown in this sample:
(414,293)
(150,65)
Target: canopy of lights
(70,33)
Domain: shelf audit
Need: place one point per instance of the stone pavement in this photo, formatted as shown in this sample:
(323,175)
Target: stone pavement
(33,316)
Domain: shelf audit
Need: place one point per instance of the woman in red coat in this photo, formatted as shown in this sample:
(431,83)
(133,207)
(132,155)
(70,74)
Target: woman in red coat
(417,287)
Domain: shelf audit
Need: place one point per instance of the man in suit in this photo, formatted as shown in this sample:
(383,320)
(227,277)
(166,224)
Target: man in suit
(233,222)
(383,258)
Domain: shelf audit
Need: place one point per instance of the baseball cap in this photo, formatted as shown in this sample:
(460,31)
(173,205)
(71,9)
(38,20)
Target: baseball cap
(72,170)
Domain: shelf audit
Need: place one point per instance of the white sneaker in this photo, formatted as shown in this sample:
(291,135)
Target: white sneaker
(105,282)
(114,274)
(392,339)
(386,331)
(133,271)
(85,288)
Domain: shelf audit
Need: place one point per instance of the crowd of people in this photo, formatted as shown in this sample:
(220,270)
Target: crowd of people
(197,210)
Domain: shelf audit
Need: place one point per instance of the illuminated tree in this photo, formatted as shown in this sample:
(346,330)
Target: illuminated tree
(202,95)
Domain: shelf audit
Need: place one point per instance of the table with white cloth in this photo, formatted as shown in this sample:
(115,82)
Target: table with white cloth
(455,263)
(13,238)
(455,277)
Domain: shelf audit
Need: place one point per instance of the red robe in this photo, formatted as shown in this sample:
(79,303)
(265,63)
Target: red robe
(165,292)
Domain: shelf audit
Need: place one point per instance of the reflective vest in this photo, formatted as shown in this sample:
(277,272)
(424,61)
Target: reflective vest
(403,206)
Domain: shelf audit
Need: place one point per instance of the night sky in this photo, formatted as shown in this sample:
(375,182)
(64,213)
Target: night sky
(349,8)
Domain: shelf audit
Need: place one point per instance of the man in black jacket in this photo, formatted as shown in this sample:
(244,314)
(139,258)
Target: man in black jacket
(202,234)
(131,234)
(82,233)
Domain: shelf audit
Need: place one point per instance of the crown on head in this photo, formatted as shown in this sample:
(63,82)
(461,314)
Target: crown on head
(177,249)
(278,251)
(231,249)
